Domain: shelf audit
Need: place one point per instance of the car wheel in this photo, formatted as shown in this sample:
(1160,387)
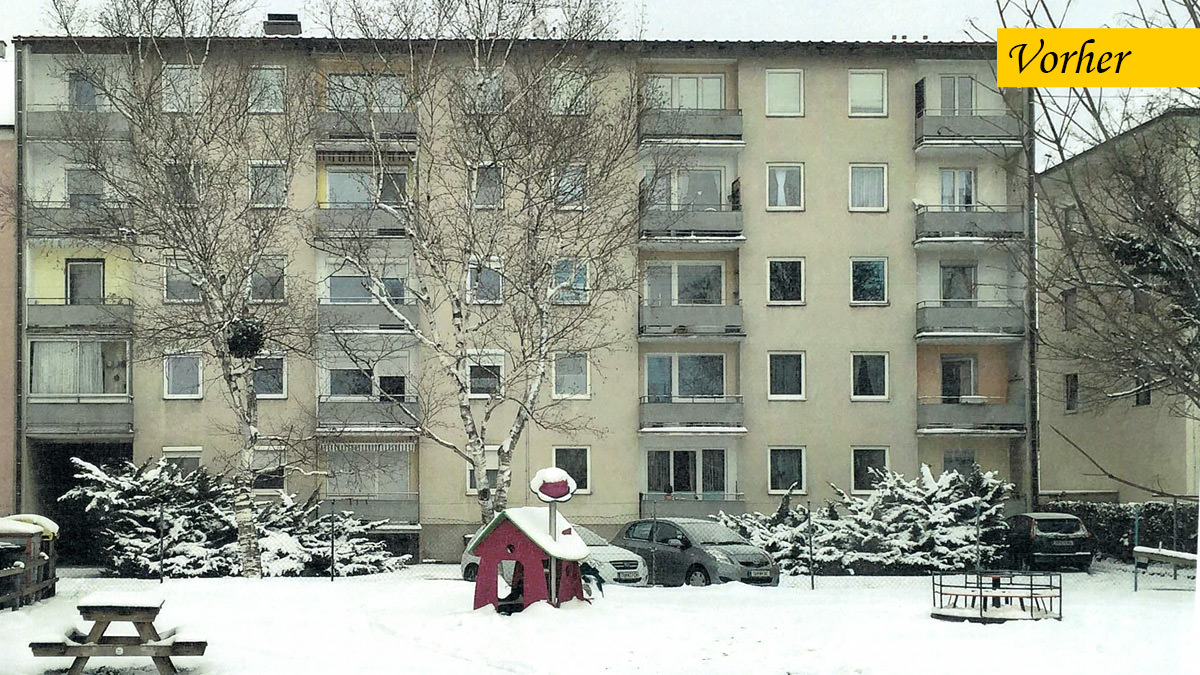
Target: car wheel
(697,576)
(470,572)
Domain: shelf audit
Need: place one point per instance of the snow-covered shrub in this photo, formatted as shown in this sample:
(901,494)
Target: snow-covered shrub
(1112,525)
(156,512)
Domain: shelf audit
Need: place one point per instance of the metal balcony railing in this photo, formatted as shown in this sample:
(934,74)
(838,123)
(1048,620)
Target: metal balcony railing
(974,221)
(91,313)
(970,316)
(969,411)
(723,411)
(375,412)
(664,320)
(691,123)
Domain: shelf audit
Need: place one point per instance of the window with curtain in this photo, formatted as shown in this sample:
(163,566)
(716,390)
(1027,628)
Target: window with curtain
(785,186)
(348,186)
(685,91)
(81,92)
(958,189)
(868,187)
(712,470)
(699,189)
(958,285)
(787,468)
(74,367)
(870,376)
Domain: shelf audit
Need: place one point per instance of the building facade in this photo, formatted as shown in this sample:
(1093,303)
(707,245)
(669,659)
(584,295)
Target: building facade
(828,284)
(8,316)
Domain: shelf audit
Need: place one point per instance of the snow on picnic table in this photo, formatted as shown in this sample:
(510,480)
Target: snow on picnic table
(407,622)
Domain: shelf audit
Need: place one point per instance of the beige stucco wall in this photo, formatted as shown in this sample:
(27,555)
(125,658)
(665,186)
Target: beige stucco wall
(8,322)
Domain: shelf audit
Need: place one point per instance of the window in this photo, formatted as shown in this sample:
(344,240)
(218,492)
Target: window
(270,377)
(484,94)
(958,285)
(958,95)
(786,376)
(369,470)
(692,189)
(868,281)
(570,278)
(961,460)
(868,93)
(787,469)
(267,281)
(485,285)
(393,187)
(785,281)
(180,88)
(870,376)
(487,186)
(267,464)
(671,471)
(266,89)
(868,464)
(268,184)
(1071,392)
(868,187)
(491,459)
(85,282)
(639,531)
(1070,308)
(349,383)
(570,186)
(687,92)
(577,463)
(185,458)
(360,92)
(485,375)
(81,93)
(183,184)
(393,387)
(568,95)
(347,289)
(686,376)
(785,93)
(75,367)
(1141,397)
(178,284)
(699,283)
(785,187)
(571,375)
(183,376)
(958,189)
(85,189)
(958,377)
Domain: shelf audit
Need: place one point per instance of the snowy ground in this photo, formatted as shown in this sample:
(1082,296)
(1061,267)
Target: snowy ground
(413,621)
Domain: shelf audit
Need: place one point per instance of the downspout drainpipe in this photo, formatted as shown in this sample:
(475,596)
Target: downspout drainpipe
(1031,307)
(19,440)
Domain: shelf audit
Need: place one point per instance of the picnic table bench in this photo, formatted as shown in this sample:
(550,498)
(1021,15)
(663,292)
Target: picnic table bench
(104,609)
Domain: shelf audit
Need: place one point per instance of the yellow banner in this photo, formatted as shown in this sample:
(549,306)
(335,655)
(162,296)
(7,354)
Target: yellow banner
(1098,57)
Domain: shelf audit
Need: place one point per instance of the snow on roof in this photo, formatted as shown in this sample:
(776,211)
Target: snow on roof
(1166,552)
(533,521)
(122,599)
(693,430)
(16,527)
(48,526)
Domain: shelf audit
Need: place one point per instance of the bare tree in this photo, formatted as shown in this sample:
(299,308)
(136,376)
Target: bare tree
(187,176)
(520,205)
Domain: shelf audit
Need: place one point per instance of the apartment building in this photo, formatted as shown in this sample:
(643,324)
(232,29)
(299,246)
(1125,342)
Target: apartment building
(828,284)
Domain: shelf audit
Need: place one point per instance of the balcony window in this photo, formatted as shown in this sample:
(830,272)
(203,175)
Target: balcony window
(787,469)
(268,184)
(178,284)
(958,377)
(786,376)
(78,367)
(487,186)
(785,93)
(685,92)
(485,285)
(85,282)
(348,93)
(570,187)
(270,377)
(85,189)
(684,284)
(354,187)
(571,375)
(266,89)
(687,376)
(868,279)
(81,93)
(393,387)
(349,383)
(577,463)
(691,189)
(345,289)
(393,188)
(669,471)
(180,89)
(183,376)
(870,376)
(958,95)
(960,460)
(369,470)
(868,187)
(958,189)
(268,466)
(785,187)
(868,93)
(868,464)
(267,281)
(786,281)
(571,282)
(958,285)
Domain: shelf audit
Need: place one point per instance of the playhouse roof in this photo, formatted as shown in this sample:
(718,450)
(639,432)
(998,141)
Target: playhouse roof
(533,521)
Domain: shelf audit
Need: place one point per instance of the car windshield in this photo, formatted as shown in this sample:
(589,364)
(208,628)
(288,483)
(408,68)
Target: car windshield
(590,538)
(1058,525)
(712,534)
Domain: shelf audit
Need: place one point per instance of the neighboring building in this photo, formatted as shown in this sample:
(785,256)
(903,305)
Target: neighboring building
(1134,430)
(8,317)
(831,285)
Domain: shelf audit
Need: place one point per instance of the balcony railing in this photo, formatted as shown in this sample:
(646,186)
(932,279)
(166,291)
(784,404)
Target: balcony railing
(691,123)
(359,219)
(973,221)
(689,320)
(969,127)
(395,507)
(78,218)
(109,313)
(971,412)
(96,415)
(690,504)
(334,315)
(55,121)
(970,316)
(363,124)
(691,221)
(368,413)
(722,412)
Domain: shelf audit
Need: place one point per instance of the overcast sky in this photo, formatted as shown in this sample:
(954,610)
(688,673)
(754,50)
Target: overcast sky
(698,19)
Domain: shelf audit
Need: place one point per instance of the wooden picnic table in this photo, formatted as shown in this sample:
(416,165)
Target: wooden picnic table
(105,609)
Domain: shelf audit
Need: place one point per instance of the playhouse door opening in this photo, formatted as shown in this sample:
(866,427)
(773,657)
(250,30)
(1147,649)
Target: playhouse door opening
(510,586)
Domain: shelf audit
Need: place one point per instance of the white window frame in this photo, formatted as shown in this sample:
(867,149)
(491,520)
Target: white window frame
(584,293)
(727,474)
(40,396)
(803,283)
(887,377)
(194,98)
(491,458)
(494,263)
(282,356)
(556,175)
(265,164)
(483,100)
(674,179)
(328,391)
(283,283)
(675,372)
(673,103)
(674,264)
(492,358)
(251,108)
(1068,408)
(196,452)
(587,449)
(578,105)
(942,107)
(886,286)
(803,395)
(803,489)
(849,91)
(887,464)
(587,375)
(273,449)
(850,187)
(474,187)
(167,267)
(767,192)
(166,392)
(799,72)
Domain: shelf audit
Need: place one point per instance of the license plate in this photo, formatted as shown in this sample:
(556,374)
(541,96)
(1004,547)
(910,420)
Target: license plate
(1064,544)
(760,574)
(627,576)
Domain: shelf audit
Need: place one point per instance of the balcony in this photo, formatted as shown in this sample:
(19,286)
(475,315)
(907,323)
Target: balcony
(974,222)
(60,122)
(96,416)
(978,128)
(691,123)
(690,504)
(395,507)
(367,414)
(97,314)
(358,124)
(357,219)
(679,321)
(74,219)
(965,319)
(696,414)
(373,315)
(967,414)
(676,222)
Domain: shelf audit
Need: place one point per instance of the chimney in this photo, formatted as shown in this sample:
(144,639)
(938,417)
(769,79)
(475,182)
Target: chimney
(282,24)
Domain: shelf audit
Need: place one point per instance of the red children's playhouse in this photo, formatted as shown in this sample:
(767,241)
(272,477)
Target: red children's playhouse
(523,536)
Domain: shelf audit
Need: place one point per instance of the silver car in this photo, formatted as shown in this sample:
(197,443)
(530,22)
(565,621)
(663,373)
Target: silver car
(615,565)
(696,552)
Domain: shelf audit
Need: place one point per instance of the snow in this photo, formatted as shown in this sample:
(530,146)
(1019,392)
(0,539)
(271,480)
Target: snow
(534,521)
(555,478)
(867,625)
(1182,556)
(122,599)
(48,526)
(16,527)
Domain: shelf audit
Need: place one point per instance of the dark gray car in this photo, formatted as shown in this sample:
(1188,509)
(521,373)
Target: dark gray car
(696,552)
